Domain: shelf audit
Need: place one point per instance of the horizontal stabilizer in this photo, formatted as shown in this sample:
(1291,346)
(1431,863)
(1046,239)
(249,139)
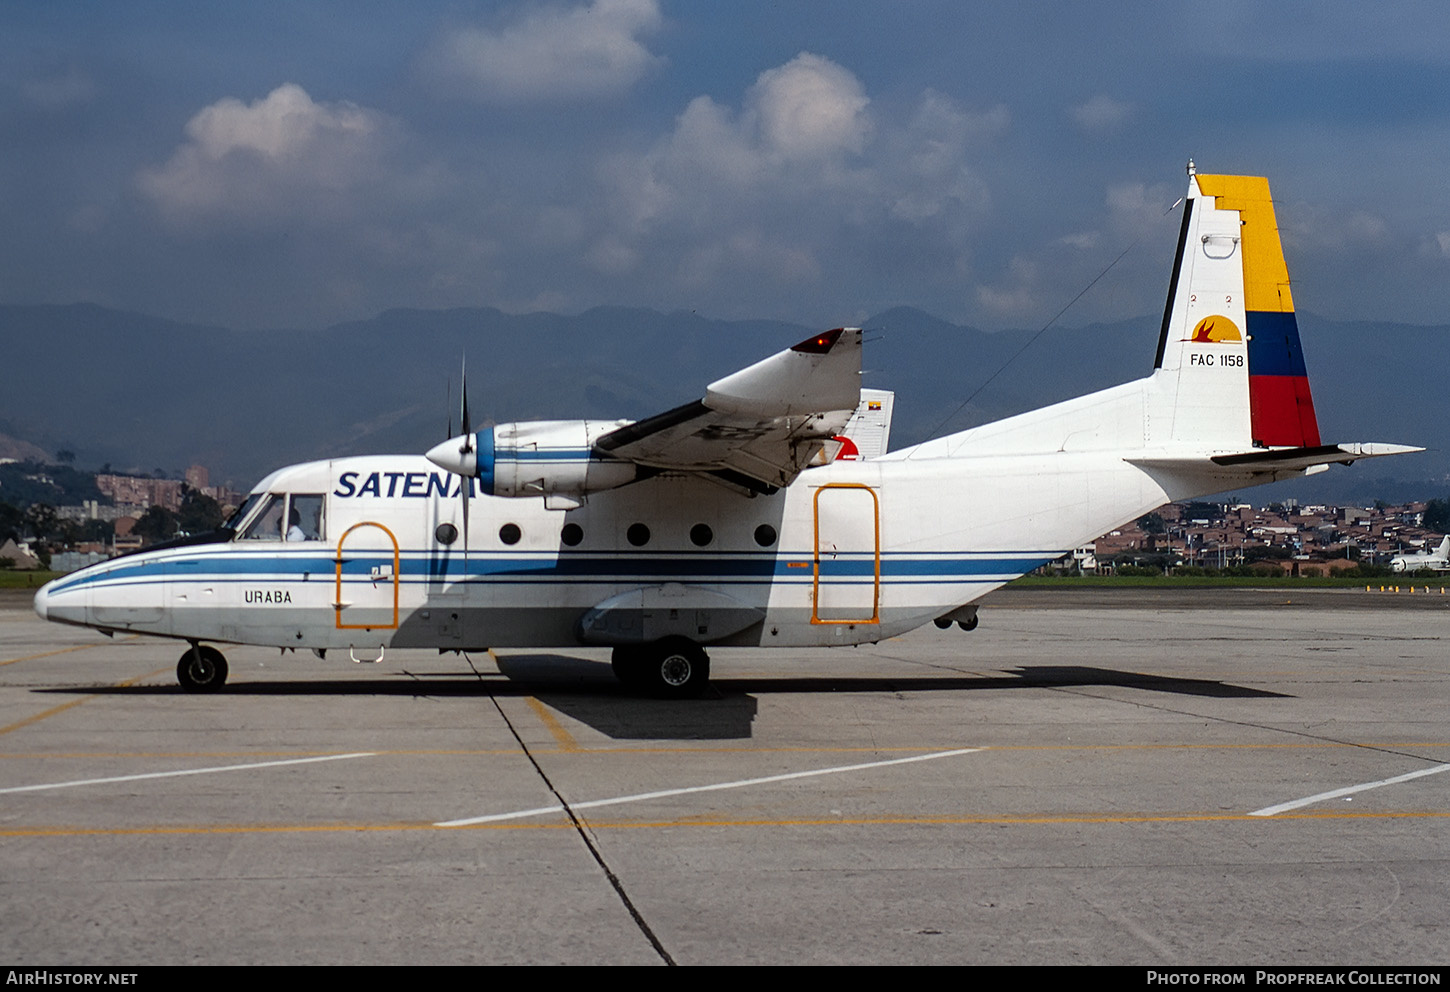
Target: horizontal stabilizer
(1277,459)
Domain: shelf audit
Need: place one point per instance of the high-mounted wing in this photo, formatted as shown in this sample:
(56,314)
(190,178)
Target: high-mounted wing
(757,428)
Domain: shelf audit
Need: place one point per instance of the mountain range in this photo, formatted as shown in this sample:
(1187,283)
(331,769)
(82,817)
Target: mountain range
(141,393)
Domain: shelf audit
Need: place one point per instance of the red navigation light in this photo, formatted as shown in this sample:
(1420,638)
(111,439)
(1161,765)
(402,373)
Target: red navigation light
(820,344)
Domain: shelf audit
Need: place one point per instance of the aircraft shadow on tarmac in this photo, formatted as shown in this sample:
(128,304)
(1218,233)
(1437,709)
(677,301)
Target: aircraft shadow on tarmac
(587,691)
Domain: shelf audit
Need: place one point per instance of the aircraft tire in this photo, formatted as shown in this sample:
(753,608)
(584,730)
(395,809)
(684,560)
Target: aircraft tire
(628,664)
(202,669)
(676,668)
(968,624)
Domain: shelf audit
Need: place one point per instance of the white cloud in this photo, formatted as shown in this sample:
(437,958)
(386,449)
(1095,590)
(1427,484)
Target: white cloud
(1442,241)
(716,187)
(553,53)
(1134,208)
(1018,295)
(810,108)
(283,157)
(1317,227)
(1101,114)
(932,152)
(1366,227)
(795,186)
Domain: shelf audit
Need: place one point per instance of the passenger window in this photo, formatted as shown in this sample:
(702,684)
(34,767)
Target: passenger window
(267,525)
(304,518)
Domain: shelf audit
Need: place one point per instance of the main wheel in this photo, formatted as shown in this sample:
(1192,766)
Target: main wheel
(968,624)
(202,669)
(628,664)
(675,668)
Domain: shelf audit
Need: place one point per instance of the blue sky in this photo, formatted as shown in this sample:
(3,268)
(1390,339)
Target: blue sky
(299,164)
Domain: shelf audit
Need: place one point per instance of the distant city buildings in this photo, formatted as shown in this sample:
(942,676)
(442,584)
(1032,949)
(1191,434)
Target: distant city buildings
(140,493)
(130,497)
(1284,537)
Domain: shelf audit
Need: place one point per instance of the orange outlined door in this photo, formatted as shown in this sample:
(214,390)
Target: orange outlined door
(367,578)
(847,581)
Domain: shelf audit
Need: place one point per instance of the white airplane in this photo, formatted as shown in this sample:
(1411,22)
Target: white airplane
(732,521)
(1435,561)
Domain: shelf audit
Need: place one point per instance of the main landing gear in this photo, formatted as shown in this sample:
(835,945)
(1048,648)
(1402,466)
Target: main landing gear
(201,669)
(964,617)
(673,668)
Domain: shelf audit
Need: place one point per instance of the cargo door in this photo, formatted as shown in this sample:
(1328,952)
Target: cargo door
(847,581)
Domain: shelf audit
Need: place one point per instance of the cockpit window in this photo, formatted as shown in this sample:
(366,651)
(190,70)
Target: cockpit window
(304,517)
(239,517)
(267,525)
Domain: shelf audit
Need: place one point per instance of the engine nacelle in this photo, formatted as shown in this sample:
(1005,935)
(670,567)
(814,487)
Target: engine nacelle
(548,458)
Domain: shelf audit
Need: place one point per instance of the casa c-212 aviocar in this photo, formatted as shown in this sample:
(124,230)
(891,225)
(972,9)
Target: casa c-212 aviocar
(734,520)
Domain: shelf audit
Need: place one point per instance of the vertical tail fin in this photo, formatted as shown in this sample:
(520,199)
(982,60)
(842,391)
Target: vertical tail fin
(868,432)
(1279,399)
(1228,353)
(1229,376)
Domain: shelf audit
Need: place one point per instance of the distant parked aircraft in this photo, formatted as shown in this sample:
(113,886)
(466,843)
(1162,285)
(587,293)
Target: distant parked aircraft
(1436,561)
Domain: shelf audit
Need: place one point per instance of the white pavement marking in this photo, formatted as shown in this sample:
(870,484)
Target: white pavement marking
(617,800)
(1348,790)
(189,771)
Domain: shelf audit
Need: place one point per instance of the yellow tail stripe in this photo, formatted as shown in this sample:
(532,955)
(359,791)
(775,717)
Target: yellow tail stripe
(1266,277)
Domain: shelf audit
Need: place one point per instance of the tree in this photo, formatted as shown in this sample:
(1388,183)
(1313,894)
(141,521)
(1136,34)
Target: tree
(199,512)
(41,520)
(65,456)
(156,524)
(12,521)
(1151,523)
(1267,552)
(1202,511)
(1437,515)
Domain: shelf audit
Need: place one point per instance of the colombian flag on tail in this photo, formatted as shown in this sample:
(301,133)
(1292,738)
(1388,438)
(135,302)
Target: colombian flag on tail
(1281,409)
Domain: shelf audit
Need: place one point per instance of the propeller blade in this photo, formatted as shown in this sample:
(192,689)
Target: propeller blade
(467,422)
(464,491)
(467,449)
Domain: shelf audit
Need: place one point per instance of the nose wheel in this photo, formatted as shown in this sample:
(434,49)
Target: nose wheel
(202,669)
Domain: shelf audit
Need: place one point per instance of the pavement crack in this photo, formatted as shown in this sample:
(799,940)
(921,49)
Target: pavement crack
(589,844)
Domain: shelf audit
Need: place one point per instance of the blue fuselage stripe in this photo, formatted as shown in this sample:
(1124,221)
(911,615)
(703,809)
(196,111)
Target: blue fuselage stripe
(565,568)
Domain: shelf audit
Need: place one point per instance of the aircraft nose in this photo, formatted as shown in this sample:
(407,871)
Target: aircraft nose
(42,601)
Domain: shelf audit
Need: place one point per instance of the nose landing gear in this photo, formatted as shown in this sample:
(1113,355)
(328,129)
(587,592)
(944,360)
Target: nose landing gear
(202,669)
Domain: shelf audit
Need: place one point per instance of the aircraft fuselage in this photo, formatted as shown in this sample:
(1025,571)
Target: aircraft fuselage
(851,552)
